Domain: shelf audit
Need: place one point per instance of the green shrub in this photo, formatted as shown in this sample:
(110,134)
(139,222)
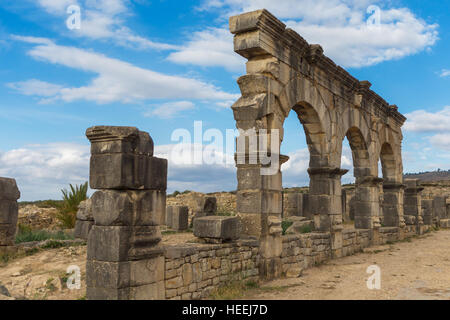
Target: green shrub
(67,214)
(25,234)
(306,229)
(285,225)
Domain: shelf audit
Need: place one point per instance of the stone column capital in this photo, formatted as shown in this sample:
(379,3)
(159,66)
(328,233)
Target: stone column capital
(332,172)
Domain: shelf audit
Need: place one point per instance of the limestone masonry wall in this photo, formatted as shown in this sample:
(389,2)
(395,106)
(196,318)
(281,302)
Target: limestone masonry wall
(194,271)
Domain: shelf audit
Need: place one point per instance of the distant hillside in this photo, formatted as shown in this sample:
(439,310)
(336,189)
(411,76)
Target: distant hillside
(429,176)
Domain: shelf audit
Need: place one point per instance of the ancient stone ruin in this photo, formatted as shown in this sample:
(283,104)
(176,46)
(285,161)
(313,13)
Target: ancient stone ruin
(286,73)
(124,260)
(9,211)
(121,221)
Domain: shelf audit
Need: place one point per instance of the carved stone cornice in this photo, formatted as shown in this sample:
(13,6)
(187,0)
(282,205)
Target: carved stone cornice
(259,33)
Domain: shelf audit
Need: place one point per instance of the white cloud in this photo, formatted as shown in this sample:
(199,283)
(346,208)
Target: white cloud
(170,109)
(42,171)
(445,73)
(338,25)
(209,48)
(441,141)
(103,20)
(295,171)
(116,81)
(424,121)
(36,87)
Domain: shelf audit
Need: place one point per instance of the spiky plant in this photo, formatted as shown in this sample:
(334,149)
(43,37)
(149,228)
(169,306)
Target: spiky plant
(67,214)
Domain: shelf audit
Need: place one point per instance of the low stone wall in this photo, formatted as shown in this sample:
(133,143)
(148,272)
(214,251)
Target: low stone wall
(192,271)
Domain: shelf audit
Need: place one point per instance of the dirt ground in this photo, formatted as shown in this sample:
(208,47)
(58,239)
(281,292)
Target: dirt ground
(419,269)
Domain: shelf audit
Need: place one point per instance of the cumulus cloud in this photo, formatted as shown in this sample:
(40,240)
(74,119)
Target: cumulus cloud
(209,48)
(445,73)
(424,121)
(340,26)
(216,172)
(295,172)
(441,141)
(170,109)
(103,20)
(116,81)
(42,171)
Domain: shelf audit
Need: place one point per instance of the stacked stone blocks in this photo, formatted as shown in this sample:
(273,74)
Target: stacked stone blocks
(124,259)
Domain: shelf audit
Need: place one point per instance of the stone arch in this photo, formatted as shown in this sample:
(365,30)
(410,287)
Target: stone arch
(316,138)
(388,163)
(393,189)
(302,96)
(284,73)
(367,184)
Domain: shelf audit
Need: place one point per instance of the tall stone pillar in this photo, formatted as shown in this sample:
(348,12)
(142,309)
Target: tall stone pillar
(367,203)
(413,202)
(259,206)
(393,205)
(428,212)
(325,203)
(124,261)
(9,212)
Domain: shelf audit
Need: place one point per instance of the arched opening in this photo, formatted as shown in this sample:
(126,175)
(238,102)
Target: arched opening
(388,163)
(360,203)
(306,148)
(392,191)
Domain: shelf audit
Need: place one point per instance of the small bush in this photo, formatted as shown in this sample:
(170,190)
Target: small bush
(25,234)
(285,225)
(68,208)
(222,211)
(306,229)
(174,194)
(53,244)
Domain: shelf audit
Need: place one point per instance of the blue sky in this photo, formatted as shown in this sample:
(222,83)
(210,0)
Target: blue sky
(161,65)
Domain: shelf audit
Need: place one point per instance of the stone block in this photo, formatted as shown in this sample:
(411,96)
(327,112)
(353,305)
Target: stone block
(119,243)
(216,227)
(440,207)
(84,212)
(444,223)
(82,229)
(105,274)
(410,220)
(179,218)
(128,208)
(9,211)
(127,171)
(7,234)
(169,215)
(259,202)
(210,206)
(8,189)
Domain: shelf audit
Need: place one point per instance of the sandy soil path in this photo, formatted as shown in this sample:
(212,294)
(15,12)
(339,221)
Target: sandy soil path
(419,269)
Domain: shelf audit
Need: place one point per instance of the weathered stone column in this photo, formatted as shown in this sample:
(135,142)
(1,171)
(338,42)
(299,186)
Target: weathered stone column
(439,209)
(325,203)
(259,206)
(428,212)
(9,212)
(124,260)
(393,205)
(413,202)
(367,203)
